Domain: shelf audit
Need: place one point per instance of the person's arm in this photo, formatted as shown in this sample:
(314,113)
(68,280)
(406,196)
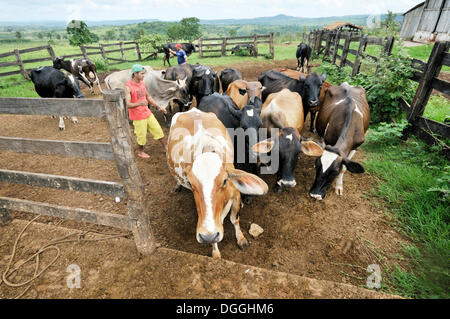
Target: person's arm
(172,52)
(128,99)
(152,102)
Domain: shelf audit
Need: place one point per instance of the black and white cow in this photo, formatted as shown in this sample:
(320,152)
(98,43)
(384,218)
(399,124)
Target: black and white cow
(52,83)
(303,54)
(249,47)
(83,68)
(204,82)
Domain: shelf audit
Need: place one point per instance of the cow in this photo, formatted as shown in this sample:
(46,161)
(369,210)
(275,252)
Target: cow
(242,91)
(309,88)
(247,118)
(204,82)
(283,111)
(161,90)
(83,68)
(52,83)
(227,76)
(200,157)
(180,72)
(313,111)
(342,122)
(249,47)
(187,47)
(303,55)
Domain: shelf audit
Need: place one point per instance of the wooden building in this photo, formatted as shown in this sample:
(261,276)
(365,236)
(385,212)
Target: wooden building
(428,21)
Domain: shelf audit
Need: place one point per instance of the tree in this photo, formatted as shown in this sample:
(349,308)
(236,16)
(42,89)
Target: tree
(79,33)
(49,35)
(110,35)
(232,32)
(18,35)
(40,35)
(58,36)
(389,23)
(190,28)
(175,32)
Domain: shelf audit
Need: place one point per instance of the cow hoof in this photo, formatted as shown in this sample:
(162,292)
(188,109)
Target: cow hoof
(247,200)
(216,255)
(339,190)
(243,242)
(278,189)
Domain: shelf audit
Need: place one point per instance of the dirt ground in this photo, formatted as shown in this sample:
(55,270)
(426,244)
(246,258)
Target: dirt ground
(333,240)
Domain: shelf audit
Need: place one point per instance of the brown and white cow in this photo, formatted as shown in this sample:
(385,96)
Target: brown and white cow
(200,157)
(342,122)
(241,92)
(284,111)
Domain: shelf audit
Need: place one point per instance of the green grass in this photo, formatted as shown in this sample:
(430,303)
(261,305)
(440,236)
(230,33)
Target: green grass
(438,108)
(414,184)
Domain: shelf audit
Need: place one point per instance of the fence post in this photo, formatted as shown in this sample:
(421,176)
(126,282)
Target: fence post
(200,48)
(102,49)
(336,46)
(327,46)
(361,49)
(21,66)
(51,52)
(128,170)
(224,46)
(5,217)
(387,49)
(121,51)
(271,46)
(424,90)
(255,45)
(348,37)
(138,52)
(83,51)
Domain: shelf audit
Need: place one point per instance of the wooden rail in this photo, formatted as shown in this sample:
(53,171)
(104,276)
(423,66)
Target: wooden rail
(119,150)
(228,43)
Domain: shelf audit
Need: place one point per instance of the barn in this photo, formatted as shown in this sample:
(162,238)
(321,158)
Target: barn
(428,21)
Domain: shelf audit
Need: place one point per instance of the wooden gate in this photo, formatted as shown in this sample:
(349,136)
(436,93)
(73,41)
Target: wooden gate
(119,150)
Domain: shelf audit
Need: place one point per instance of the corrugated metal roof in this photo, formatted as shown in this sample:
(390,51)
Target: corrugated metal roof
(336,25)
(414,8)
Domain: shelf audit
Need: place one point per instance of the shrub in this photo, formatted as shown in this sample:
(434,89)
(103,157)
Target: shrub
(242,52)
(100,64)
(151,43)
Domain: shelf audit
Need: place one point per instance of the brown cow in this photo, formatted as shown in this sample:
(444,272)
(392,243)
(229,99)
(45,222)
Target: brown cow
(284,111)
(296,75)
(242,91)
(200,157)
(342,122)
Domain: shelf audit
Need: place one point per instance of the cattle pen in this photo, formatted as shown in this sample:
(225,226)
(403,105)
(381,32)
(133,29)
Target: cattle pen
(226,44)
(425,73)
(118,151)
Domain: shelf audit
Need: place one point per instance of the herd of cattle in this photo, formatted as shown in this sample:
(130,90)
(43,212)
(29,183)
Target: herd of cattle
(202,155)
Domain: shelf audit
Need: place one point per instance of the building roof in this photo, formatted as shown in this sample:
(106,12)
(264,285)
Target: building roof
(414,8)
(337,25)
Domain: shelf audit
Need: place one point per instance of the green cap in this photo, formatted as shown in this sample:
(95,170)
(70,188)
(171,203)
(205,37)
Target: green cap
(137,68)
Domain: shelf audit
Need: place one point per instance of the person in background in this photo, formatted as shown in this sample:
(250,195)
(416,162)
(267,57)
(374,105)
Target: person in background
(181,55)
(138,101)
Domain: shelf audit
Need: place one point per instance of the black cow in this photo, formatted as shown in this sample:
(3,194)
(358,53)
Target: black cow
(247,118)
(227,76)
(52,83)
(204,82)
(304,52)
(180,72)
(249,47)
(187,47)
(308,88)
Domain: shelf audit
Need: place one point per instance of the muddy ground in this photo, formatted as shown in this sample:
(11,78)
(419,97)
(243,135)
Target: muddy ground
(333,240)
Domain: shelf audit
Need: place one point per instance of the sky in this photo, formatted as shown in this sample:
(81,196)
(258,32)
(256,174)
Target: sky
(174,10)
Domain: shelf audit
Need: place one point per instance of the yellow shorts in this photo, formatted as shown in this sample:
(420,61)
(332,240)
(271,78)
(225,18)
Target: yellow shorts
(140,129)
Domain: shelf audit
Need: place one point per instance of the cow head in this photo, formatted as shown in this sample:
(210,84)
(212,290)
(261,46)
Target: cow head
(189,48)
(214,185)
(68,87)
(205,78)
(242,91)
(312,86)
(328,167)
(58,63)
(289,144)
(181,92)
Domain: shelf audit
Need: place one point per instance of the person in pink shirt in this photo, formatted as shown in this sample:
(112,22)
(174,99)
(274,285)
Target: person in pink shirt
(143,119)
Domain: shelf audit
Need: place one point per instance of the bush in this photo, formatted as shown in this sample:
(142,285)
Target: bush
(100,64)
(242,52)
(151,43)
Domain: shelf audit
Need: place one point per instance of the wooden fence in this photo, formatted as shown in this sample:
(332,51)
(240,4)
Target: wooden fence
(206,45)
(426,74)
(119,151)
(86,51)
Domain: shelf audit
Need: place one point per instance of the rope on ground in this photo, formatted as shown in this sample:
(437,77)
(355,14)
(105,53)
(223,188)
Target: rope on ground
(49,246)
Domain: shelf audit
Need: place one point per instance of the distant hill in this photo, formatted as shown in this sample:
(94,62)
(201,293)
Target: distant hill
(280,20)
